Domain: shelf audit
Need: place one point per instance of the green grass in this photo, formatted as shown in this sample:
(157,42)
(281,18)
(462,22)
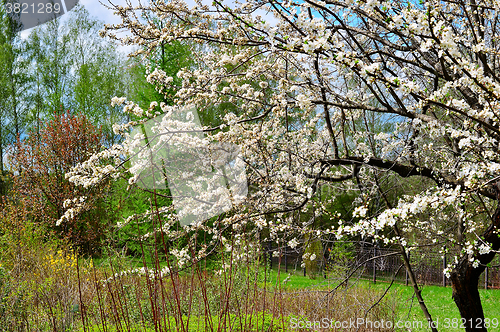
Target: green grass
(295,280)
(241,323)
(438,299)
(441,305)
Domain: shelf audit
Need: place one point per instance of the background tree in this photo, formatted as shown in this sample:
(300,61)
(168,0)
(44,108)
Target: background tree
(100,72)
(52,65)
(40,163)
(14,83)
(71,67)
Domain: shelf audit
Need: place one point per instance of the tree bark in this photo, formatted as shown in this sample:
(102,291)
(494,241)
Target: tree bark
(464,281)
(465,278)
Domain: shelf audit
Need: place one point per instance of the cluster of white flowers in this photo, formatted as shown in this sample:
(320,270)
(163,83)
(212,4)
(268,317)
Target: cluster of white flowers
(120,224)
(91,171)
(118,101)
(73,208)
(293,243)
(360,211)
(484,249)
(71,202)
(182,256)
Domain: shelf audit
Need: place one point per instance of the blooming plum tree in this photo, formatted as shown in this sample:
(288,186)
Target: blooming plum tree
(324,72)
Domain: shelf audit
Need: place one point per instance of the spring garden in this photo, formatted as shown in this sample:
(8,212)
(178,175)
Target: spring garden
(259,165)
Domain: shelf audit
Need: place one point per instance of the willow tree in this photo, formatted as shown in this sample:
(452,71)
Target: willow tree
(428,69)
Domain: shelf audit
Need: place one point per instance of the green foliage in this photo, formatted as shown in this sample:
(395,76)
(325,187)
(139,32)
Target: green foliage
(38,279)
(14,81)
(130,203)
(340,259)
(127,202)
(313,256)
(71,67)
(258,321)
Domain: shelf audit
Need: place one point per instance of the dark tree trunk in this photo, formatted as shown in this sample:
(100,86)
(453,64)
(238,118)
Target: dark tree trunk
(464,281)
(465,278)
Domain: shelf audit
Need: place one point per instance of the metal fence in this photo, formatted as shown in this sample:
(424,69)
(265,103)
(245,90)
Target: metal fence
(381,264)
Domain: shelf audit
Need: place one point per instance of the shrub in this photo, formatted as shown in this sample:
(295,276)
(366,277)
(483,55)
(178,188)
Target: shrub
(341,256)
(39,284)
(40,162)
(313,256)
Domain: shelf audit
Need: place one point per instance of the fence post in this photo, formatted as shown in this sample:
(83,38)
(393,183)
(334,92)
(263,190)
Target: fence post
(270,253)
(374,265)
(406,272)
(286,266)
(486,278)
(444,267)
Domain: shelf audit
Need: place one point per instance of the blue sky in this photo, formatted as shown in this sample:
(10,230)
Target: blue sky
(96,9)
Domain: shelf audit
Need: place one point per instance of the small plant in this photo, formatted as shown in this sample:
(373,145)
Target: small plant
(313,256)
(340,256)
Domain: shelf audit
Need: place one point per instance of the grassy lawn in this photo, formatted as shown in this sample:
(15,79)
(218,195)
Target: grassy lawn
(258,322)
(438,299)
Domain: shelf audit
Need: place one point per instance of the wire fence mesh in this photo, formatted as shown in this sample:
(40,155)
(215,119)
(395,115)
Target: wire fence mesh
(382,264)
